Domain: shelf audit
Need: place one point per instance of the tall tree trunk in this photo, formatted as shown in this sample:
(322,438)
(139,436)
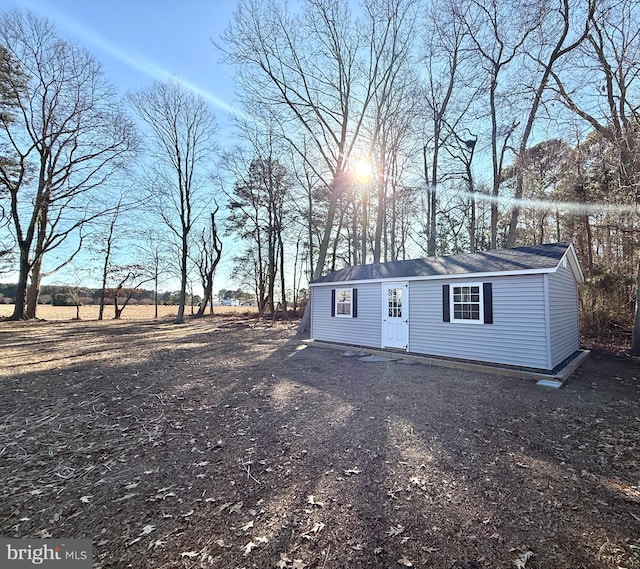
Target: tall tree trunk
(282,280)
(433,200)
(335,190)
(103,288)
(182,299)
(206,299)
(495,188)
(472,221)
(382,206)
(310,235)
(33,291)
(635,346)
(21,288)
(365,228)
(355,242)
(117,311)
(155,291)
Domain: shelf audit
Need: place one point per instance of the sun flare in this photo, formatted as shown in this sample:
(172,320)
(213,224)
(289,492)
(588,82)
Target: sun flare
(362,170)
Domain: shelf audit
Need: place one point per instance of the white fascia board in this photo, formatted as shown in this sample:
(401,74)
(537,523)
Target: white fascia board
(441,277)
(572,257)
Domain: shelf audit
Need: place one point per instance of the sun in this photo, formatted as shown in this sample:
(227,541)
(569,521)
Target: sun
(362,170)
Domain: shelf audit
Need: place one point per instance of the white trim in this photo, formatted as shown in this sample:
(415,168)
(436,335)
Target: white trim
(452,317)
(486,275)
(335,308)
(385,307)
(575,264)
(547,319)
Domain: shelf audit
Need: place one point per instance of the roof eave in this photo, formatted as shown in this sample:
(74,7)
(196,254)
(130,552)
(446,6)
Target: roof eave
(574,264)
(443,277)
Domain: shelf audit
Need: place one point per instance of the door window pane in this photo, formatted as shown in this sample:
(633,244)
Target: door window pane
(394,301)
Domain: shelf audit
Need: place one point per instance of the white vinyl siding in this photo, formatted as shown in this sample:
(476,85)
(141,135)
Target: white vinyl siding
(363,330)
(563,315)
(516,337)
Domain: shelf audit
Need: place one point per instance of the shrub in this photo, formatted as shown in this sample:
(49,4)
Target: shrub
(62,299)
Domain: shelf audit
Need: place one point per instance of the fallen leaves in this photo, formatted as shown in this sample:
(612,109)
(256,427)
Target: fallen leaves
(350,485)
(311,499)
(249,547)
(286,563)
(521,561)
(233,508)
(125,497)
(146,530)
(315,530)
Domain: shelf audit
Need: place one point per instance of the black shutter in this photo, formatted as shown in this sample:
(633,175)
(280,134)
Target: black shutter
(446,313)
(487,299)
(354,300)
(333,302)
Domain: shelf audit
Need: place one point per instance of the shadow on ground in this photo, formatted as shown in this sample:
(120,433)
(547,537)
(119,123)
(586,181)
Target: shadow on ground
(219,444)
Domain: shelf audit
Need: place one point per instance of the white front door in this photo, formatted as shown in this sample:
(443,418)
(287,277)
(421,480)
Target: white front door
(395,315)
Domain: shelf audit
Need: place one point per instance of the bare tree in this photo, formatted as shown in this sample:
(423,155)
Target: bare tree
(609,59)
(318,71)
(182,129)
(153,254)
(393,25)
(108,242)
(128,279)
(12,83)
(500,31)
(209,254)
(445,54)
(555,43)
(69,137)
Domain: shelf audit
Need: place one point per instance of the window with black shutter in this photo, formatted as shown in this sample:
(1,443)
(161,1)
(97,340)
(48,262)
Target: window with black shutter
(344,302)
(468,303)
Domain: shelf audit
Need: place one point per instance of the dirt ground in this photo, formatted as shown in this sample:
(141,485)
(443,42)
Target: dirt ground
(218,444)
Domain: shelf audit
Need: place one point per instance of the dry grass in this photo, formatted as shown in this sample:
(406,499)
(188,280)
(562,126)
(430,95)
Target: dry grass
(132,312)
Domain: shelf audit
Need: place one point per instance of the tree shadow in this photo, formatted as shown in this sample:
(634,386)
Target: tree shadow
(242,447)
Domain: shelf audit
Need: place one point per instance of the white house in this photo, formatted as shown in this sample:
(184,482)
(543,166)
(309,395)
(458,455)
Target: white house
(514,307)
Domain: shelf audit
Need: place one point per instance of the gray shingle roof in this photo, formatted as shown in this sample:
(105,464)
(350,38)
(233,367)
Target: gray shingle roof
(499,261)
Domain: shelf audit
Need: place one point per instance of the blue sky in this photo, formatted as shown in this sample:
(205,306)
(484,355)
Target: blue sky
(139,41)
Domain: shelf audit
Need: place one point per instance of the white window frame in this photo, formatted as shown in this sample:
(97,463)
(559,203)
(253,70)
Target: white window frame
(452,311)
(338,302)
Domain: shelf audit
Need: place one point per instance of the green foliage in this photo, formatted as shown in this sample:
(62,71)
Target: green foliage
(240,295)
(62,299)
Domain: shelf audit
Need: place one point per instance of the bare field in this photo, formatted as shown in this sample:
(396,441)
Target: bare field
(228,443)
(131,312)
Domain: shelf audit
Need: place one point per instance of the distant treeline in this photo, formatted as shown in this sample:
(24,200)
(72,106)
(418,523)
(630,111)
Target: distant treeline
(65,295)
